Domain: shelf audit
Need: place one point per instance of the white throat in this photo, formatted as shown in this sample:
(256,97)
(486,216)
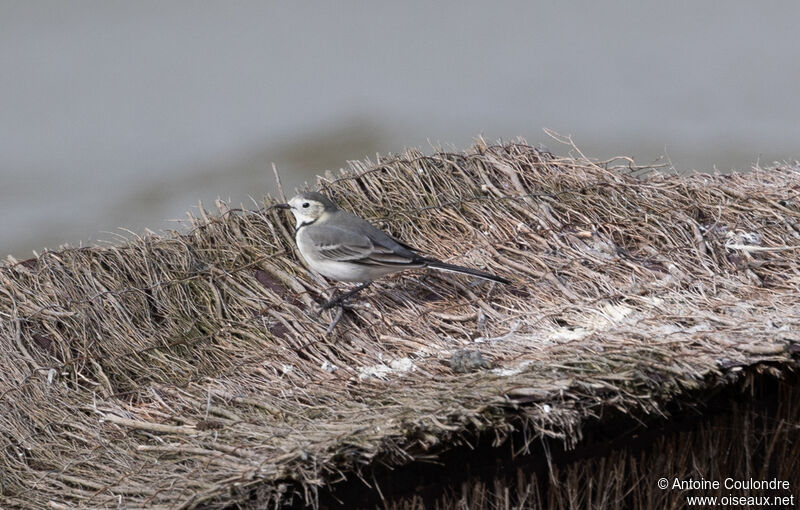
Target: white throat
(301,218)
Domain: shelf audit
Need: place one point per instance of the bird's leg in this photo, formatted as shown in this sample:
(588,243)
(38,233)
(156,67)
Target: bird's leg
(335,321)
(339,300)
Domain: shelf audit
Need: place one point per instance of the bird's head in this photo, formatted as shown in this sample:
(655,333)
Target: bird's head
(309,207)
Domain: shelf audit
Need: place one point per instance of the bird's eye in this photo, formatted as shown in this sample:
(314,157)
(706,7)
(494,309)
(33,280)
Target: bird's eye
(305,204)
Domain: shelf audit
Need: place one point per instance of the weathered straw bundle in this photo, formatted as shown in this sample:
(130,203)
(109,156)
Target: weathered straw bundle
(190,371)
(739,436)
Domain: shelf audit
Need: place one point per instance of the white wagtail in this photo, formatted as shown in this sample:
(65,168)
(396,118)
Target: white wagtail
(346,248)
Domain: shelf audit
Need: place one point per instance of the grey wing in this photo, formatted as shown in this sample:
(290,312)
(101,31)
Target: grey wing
(380,240)
(346,245)
(338,244)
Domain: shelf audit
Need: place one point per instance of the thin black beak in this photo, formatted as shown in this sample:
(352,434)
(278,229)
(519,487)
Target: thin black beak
(283,206)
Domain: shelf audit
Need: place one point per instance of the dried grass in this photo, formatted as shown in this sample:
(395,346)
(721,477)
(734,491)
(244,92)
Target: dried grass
(190,371)
(755,439)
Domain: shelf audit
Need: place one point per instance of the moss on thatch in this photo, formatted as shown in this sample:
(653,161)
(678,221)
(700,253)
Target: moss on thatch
(191,371)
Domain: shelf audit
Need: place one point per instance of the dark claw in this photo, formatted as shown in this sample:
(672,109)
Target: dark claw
(337,301)
(340,299)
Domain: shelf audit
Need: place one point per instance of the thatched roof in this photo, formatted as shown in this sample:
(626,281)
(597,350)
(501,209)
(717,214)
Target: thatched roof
(190,370)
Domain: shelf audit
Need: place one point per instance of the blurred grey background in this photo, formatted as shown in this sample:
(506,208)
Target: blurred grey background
(126,114)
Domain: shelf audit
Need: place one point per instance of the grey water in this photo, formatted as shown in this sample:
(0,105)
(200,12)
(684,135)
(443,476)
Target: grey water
(127,114)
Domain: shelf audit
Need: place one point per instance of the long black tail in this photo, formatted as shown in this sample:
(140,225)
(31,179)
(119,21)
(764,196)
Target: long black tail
(435,264)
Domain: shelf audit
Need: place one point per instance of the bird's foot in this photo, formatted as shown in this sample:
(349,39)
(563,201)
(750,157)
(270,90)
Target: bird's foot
(340,311)
(335,321)
(340,302)
(341,305)
(335,301)
(341,299)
